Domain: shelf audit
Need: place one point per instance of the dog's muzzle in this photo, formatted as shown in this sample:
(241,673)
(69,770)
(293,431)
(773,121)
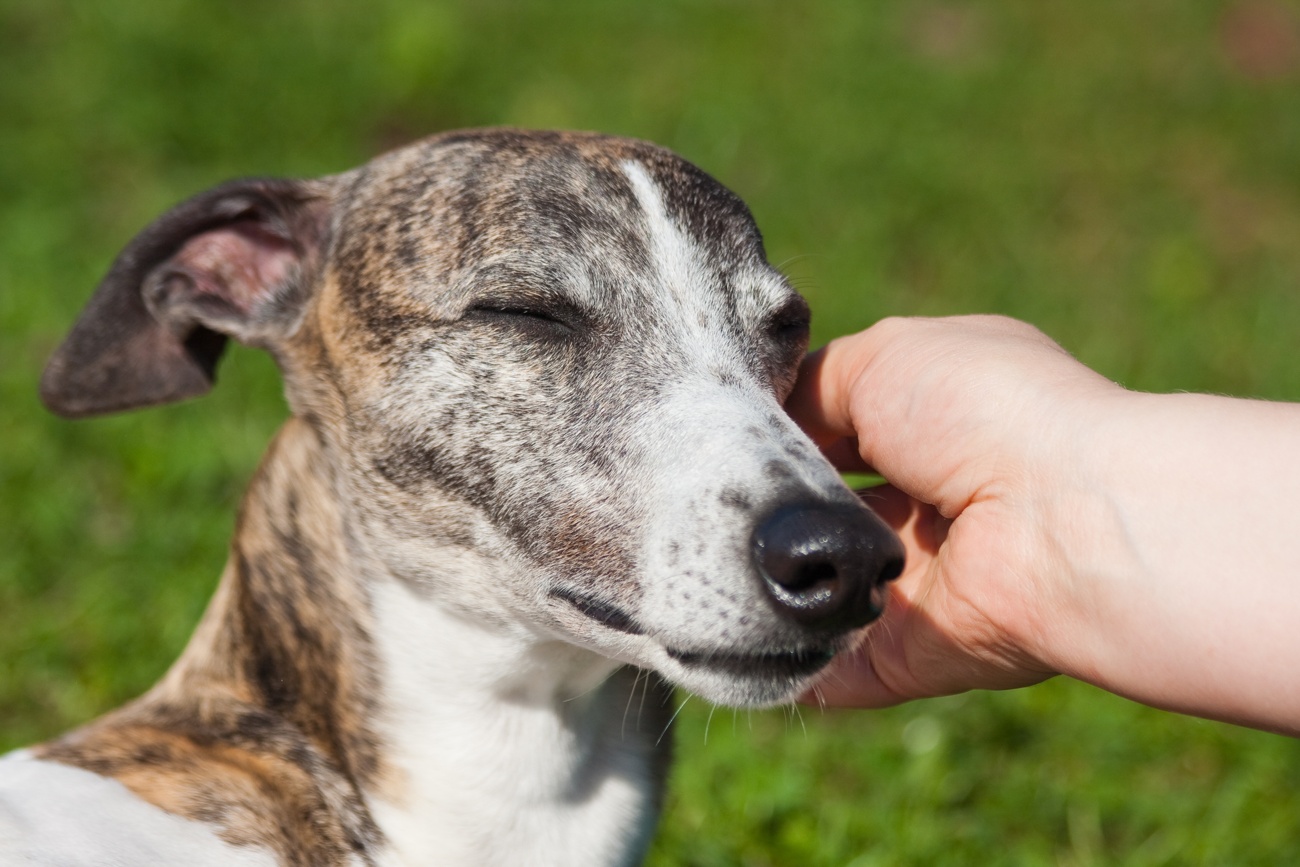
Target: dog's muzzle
(824,567)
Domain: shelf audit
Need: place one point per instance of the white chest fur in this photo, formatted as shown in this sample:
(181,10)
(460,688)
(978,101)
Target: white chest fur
(508,749)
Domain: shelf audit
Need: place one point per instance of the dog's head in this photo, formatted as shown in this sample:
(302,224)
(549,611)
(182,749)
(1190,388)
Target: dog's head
(550,369)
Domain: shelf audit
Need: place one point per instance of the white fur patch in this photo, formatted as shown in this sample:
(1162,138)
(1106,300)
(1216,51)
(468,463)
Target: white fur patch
(53,814)
(685,275)
(491,732)
(715,438)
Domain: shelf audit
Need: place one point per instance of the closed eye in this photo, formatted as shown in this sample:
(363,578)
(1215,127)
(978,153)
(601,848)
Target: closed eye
(787,331)
(791,322)
(516,310)
(540,317)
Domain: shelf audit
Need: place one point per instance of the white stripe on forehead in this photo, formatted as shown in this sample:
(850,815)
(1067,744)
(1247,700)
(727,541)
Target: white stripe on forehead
(679,258)
(684,264)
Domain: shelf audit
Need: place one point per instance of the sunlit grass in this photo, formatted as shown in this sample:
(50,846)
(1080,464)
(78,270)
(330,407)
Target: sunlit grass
(1126,176)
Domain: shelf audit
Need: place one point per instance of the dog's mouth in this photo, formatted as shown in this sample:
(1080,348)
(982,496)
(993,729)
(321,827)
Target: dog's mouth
(780,664)
(786,664)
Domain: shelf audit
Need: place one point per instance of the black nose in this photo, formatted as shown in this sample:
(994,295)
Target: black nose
(824,566)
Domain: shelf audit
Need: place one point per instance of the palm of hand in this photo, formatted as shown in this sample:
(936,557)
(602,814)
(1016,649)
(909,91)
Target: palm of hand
(943,630)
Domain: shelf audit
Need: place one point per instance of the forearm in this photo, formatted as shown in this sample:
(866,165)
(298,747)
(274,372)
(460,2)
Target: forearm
(1147,544)
(1182,551)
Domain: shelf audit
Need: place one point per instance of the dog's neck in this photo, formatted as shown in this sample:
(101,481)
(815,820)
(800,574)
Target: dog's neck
(508,752)
(467,742)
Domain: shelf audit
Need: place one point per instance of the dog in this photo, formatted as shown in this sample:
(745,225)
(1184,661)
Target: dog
(536,473)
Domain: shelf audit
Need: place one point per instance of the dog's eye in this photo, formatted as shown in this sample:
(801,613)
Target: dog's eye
(514,310)
(787,332)
(533,316)
(790,323)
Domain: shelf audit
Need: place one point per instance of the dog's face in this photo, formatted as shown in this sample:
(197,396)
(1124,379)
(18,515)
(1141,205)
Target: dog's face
(552,369)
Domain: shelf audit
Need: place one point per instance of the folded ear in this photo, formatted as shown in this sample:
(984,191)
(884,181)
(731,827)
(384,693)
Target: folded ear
(236,261)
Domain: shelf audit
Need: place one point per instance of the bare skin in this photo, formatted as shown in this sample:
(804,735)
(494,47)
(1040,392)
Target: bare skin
(1056,523)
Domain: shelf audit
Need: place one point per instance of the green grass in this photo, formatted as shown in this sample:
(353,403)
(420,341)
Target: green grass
(1126,176)
(860,481)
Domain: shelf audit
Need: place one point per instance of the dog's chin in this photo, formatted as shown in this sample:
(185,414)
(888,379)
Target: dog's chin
(758,679)
(764,675)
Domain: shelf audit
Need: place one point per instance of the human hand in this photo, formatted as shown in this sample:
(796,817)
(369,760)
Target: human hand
(974,421)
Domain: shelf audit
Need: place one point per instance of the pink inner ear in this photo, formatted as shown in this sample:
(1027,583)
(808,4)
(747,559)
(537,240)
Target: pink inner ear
(242,263)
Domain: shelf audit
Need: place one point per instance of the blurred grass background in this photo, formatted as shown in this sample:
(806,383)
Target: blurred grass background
(1124,175)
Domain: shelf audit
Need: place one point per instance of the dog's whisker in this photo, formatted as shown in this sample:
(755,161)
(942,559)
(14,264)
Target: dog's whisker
(627,706)
(798,257)
(673,719)
(645,691)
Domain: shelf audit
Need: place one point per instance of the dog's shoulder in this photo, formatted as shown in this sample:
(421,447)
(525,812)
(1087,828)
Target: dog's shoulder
(240,772)
(55,814)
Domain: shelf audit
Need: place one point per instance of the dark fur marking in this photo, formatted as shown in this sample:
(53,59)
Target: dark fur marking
(777,471)
(601,612)
(734,499)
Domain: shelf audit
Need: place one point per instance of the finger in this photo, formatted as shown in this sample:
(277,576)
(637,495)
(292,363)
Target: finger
(893,506)
(919,525)
(843,455)
(853,679)
(831,381)
(876,673)
(851,682)
(818,404)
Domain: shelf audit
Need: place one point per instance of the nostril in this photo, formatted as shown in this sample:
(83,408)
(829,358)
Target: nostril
(891,570)
(794,553)
(822,565)
(809,575)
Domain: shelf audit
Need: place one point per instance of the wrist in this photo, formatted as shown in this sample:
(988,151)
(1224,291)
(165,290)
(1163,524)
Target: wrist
(1077,550)
(1177,555)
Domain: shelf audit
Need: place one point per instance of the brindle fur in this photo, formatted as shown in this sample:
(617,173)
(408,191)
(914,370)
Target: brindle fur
(262,726)
(437,434)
